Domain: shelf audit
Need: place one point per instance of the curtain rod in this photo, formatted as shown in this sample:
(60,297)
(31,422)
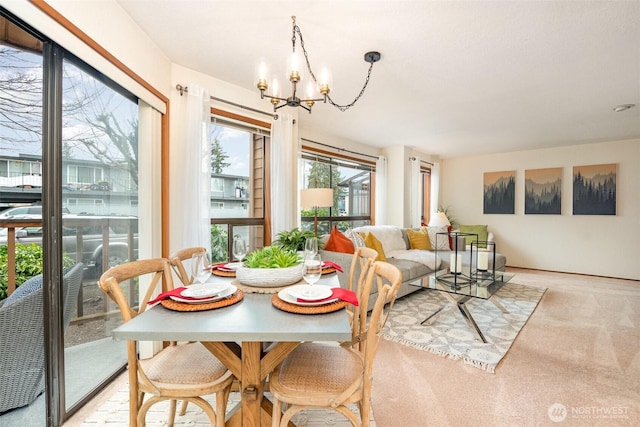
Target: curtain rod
(421,161)
(183,89)
(338,148)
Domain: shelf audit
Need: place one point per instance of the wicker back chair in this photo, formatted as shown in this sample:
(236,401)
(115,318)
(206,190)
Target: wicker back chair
(321,375)
(177,259)
(178,372)
(22,376)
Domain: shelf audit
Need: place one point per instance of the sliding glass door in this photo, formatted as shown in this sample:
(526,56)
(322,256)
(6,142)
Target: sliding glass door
(69,155)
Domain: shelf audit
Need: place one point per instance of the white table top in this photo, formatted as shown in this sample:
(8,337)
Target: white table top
(252,319)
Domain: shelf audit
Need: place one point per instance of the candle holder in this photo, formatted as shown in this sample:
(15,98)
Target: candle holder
(455,277)
(484,272)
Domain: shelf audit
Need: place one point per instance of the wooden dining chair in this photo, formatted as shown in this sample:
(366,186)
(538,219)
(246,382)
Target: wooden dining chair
(178,372)
(177,264)
(363,259)
(321,375)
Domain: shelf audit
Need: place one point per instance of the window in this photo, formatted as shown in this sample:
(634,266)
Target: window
(217,185)
(83,174)
(238,156)
(350,180)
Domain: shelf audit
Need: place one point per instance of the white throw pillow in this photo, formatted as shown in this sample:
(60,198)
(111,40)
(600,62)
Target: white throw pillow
(358,241)
(442,241)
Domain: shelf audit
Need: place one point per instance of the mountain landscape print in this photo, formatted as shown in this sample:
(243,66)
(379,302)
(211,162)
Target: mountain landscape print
(594,190)
(499,192)
(542,191)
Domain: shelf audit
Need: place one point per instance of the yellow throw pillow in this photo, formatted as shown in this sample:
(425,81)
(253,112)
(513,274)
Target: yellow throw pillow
(372,242)
(419,239)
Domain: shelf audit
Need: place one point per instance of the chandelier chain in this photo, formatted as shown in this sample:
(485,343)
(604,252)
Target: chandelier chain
(343,108)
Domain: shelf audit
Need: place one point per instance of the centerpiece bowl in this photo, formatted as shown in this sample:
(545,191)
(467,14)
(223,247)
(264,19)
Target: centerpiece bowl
(269,277)
(271,267)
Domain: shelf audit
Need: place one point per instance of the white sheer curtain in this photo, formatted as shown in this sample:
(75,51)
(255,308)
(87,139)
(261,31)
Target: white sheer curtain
(381,191)
(283,174)
(435,187)
(191,174)
(415,193)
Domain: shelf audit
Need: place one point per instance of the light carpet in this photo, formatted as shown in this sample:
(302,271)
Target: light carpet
(115,412)
(450,336)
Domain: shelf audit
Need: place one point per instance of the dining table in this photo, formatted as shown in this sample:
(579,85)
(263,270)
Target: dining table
(250,337)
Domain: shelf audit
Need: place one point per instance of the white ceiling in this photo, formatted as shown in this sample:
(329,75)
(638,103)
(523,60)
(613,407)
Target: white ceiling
(457,78)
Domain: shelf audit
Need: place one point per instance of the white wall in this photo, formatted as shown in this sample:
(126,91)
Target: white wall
(590,244)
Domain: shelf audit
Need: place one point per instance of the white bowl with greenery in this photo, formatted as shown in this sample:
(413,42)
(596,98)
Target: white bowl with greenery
(271,267)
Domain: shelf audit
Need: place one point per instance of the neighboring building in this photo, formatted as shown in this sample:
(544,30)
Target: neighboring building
(229,196)
(93,188)
(88,186)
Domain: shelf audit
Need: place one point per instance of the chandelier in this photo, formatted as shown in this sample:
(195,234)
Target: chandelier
(317,88)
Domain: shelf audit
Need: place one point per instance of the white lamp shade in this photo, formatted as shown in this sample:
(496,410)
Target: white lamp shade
(439,219)
(316,198)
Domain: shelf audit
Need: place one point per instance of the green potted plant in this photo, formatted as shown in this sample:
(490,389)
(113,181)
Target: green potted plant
(271,266)
(293,240)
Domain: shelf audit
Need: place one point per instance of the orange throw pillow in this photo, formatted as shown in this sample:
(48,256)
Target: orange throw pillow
(338,242)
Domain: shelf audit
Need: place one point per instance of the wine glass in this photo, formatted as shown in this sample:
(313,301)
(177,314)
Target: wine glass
(312,269)
(239,248)
(200,267)
(311,246)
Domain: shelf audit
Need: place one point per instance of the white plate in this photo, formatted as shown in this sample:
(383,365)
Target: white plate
(287,297)
(310,293)
(233,265)
(226,293)
(204,290)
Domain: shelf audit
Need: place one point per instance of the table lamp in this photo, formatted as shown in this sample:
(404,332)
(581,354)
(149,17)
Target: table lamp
(314,198)
(439,219)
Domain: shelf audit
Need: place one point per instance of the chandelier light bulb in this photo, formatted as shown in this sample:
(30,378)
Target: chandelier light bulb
(294,67)
(262,72)
(275,89)
(310,93)
(324,81)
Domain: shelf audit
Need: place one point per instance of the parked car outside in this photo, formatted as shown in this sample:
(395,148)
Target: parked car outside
(88,231)
(33,211)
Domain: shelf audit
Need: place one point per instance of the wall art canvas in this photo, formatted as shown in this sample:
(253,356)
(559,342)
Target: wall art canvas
(499,192)
(594,189)
(542,191)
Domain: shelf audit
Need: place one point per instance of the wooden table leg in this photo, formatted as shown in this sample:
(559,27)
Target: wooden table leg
(251,386)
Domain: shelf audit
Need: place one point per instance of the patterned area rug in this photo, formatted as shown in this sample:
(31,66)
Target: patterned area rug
(450,336)
(115,412)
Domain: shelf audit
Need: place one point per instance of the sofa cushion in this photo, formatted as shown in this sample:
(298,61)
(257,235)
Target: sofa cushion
(410,270)
(419,239)
(480,230)
(338,242)
(390,236)
(372,242)
(426,258)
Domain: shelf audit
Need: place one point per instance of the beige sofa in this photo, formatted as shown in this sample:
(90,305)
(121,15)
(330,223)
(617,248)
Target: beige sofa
(414,264)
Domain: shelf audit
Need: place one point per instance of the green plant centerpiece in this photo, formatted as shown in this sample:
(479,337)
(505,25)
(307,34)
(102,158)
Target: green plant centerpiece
(293,240)
(271,266)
